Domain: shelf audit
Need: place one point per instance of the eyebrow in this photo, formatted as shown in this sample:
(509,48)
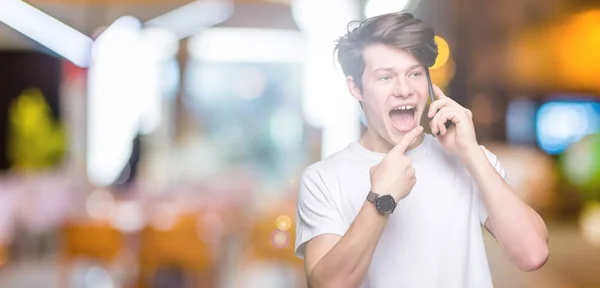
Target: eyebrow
(389,69)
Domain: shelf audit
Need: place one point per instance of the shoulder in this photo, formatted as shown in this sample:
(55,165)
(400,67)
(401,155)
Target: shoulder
(326,175)
(440,154)
(333,164)
(438,149)
(489,155)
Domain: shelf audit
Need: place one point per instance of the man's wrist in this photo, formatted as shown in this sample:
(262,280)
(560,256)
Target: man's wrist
(384,203)
(472,156)
(382,192)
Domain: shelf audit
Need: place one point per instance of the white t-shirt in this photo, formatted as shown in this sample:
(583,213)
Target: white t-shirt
(433,238)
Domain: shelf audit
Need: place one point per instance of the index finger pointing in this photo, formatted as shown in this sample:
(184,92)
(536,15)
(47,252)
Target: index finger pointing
(406,141)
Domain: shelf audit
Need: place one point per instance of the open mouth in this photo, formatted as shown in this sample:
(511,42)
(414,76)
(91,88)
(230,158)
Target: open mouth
(403,117)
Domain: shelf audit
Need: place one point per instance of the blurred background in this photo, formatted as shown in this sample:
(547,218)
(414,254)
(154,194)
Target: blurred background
(155,143)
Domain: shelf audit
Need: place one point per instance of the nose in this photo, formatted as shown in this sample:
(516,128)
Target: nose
(403,88)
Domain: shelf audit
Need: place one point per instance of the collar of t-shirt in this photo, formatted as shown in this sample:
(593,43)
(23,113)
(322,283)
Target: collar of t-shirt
(415,153)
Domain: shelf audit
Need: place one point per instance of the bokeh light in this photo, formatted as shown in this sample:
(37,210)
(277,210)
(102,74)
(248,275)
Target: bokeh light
(581,165)
(280,239)
(442,76)
(283,222)
(128,217)
(100,204)
(590,223)
(561,123)
(561,55)
(576,49)
(443,53)
(520,121)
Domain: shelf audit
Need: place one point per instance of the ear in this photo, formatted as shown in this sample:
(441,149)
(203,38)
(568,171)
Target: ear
(353,89)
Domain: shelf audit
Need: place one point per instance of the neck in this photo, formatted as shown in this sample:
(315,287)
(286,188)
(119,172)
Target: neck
(371,140)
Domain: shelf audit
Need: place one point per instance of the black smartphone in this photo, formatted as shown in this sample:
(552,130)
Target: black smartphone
(432,96)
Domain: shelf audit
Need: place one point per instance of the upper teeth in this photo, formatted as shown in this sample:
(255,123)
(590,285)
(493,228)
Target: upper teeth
(405,107)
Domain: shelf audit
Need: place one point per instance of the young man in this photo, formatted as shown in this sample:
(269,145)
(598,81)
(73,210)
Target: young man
(400,208)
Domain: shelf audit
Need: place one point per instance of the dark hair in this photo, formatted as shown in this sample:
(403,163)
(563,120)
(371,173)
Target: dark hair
(400,30)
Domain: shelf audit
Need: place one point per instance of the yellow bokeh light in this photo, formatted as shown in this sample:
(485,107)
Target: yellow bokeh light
(283,222)
(577,50)
(443,52)
(442,76)
(563,55)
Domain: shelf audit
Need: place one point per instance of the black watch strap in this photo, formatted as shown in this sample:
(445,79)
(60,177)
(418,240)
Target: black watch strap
(372,197)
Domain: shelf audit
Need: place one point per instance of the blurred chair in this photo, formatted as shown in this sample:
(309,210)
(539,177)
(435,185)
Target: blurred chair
(175,252)
(96,241)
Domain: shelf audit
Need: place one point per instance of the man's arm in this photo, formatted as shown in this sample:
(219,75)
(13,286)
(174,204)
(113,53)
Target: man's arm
(334,261)
(519,230)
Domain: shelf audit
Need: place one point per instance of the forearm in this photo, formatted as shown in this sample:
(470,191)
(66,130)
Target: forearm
(346,264)
(519,230)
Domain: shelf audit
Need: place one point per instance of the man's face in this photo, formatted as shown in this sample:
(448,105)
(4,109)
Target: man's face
(394,91)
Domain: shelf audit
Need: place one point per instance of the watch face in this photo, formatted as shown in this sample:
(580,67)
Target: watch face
(385,204)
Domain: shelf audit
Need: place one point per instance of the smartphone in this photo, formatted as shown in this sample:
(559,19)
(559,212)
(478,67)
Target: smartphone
(432,96)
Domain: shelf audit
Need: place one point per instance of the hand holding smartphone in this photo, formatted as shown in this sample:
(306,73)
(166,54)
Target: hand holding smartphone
(432,96)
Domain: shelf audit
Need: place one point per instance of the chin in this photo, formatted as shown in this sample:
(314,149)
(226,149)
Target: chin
(395,136)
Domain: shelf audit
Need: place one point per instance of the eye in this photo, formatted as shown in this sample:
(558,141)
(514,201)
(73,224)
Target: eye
(415,74)
(385,78)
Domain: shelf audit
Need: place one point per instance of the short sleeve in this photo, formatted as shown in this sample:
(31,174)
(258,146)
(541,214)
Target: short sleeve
(317,213)
(482,211)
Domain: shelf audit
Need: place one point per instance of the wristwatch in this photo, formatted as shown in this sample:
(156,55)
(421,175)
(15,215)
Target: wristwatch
(385,204)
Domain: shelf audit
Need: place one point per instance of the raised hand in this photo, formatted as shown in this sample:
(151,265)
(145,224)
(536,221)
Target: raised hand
(457,138)
(394,175)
